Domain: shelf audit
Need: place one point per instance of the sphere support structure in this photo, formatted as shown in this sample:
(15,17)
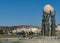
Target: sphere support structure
(48,28)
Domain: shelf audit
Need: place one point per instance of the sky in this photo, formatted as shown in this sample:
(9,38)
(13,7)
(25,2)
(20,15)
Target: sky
(25,12)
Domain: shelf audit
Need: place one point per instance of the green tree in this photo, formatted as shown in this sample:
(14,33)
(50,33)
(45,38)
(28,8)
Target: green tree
(30,33)
(23,33)
(1,31)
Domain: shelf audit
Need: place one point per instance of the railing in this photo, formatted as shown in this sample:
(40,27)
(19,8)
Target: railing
(30,37)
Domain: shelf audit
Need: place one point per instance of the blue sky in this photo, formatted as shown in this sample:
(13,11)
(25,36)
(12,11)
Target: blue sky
(25,12)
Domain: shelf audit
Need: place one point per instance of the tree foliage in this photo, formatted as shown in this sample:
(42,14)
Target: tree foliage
(1,31)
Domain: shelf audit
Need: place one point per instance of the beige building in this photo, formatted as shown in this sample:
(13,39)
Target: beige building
(58,29)
(26,30)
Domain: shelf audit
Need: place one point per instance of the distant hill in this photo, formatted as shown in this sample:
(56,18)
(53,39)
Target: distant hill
(15,27)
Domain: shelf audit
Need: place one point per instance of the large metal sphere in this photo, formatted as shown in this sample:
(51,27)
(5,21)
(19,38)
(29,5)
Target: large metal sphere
(48,8)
